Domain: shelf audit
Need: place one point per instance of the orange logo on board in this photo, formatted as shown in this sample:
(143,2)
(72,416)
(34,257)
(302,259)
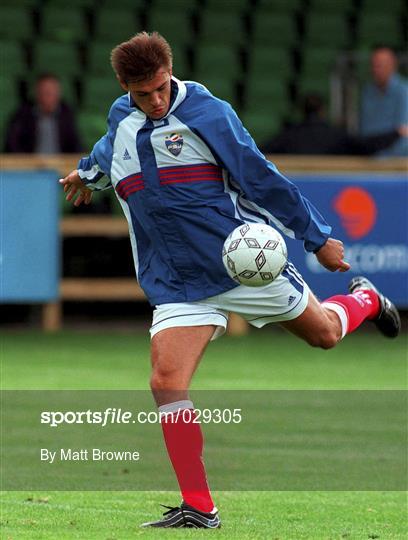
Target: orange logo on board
(357,211)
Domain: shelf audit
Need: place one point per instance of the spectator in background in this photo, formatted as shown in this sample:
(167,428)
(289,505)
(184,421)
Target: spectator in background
(384,103)
(315,135)
(46,126)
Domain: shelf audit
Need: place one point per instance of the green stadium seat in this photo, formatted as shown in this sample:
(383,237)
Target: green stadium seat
(331,6)
(92,126)
(176,27)
(278,6)
(12,59)
(58,58)
(216,60)
(98,58)
(232,6)
(318,62)
(261,126)
(22,3)
(272,98)
(75,3)
(181,68)
(381,6)
(130,4)
(362,64)
(327,30)
(116,25)
(68,89)
(99,93)
(9,97)
(9,104)
(222,88)
(377,28)
(8,87)
(176,5)
(268,60)
(313,85)
(222,28)
(63,24)
(274,30)
(16,23)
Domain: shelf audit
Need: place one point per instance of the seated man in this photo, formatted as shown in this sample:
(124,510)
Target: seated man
(46,126)
(384,101)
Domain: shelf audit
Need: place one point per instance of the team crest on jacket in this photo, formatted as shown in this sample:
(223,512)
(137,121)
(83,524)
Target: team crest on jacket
(174,143)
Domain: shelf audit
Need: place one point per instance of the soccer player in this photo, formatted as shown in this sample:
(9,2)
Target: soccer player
(186,173)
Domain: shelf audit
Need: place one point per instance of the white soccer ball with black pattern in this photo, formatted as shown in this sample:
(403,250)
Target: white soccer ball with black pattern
(254,254)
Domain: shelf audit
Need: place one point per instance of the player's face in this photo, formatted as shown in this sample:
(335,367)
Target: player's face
(152,96)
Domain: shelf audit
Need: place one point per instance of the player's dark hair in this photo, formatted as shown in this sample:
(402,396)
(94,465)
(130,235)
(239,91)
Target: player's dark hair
(140,57)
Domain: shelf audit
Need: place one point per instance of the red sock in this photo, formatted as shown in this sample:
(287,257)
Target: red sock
(359,306)
(184,442)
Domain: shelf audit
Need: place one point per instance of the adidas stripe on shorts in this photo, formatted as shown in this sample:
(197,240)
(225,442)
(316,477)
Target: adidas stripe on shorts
(282,300)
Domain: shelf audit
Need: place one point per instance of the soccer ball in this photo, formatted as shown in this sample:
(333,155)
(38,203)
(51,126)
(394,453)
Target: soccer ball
(254,254)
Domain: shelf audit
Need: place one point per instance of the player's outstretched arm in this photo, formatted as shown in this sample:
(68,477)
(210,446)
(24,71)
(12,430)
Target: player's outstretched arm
(75,189)
(331,254)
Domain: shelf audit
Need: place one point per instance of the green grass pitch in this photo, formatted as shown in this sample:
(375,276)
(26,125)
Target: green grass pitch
(264,360)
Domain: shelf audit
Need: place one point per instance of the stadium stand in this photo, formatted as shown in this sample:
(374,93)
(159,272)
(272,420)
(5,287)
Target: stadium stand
(16,22)
(181,63)
(229,45)
(175,25)
(327,30)
(22,3)
(218,27)
(375,28)
(317,60)
(56,57)
(270,29)
(13,59)
(217,61)
(280,6)
(9,103)
(72,3)
(334,7)
(222,88)
(64,24)
(98,58)
(116,25)
(99,93)
(263,60)
(384,7)
(92,126)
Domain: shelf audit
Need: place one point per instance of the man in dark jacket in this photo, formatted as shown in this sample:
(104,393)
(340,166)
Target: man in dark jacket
(46,126)
(315,135)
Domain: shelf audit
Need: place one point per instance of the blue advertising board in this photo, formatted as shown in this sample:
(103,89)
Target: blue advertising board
(369,213)
(29,248)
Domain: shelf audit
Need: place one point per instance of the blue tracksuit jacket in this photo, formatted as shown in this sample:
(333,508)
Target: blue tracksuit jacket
(185,182)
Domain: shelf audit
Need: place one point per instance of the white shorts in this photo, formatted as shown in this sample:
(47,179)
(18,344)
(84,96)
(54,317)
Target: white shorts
(282,300)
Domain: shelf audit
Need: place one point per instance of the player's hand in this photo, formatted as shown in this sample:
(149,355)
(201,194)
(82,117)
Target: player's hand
(75,189)
(331,254)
